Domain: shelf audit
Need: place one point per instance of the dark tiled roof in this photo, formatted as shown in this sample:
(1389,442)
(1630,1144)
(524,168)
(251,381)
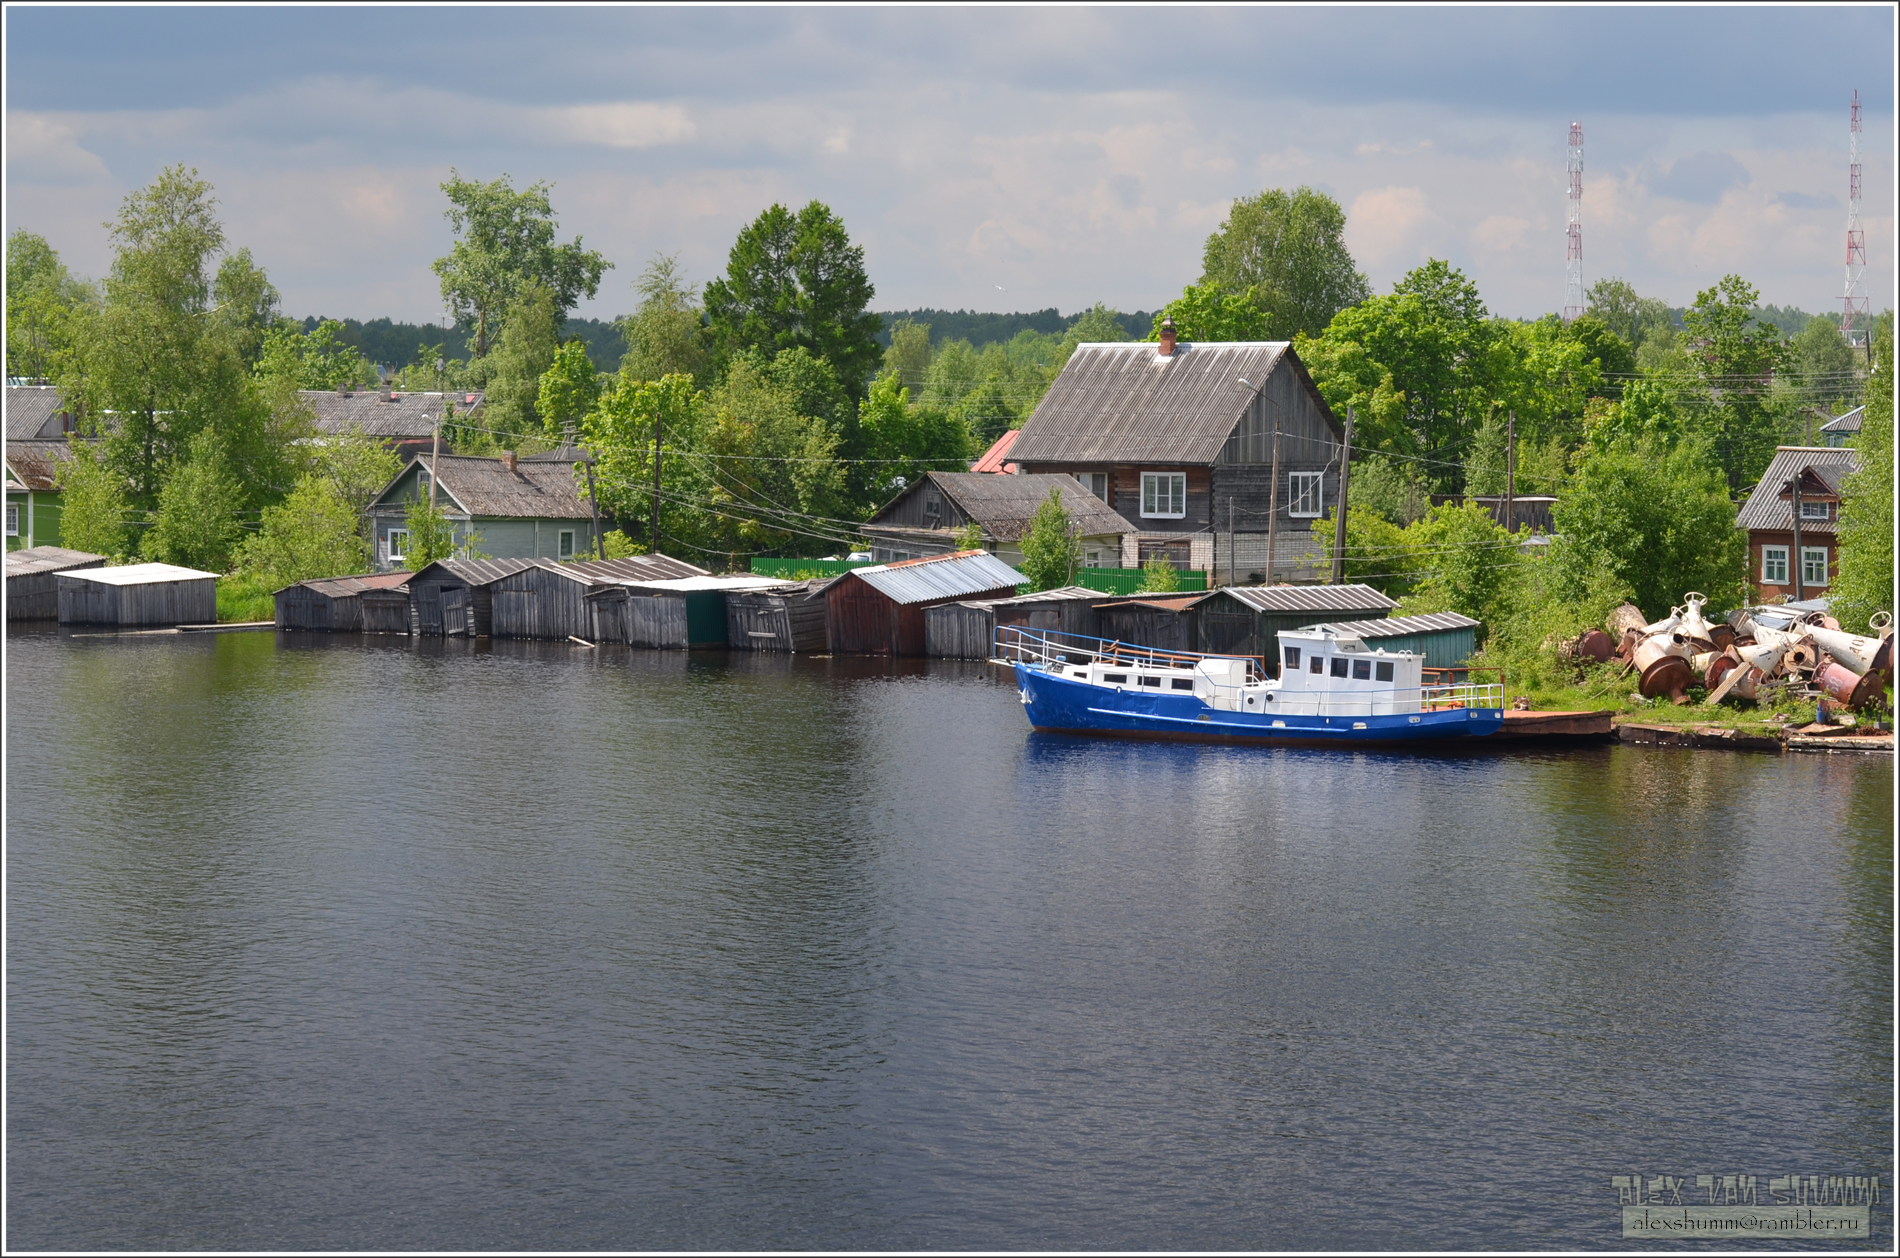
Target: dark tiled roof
(36,462)
(33,411)
(1004,505)
(1127,403)
(1767,509)
(406,417)
(485,487)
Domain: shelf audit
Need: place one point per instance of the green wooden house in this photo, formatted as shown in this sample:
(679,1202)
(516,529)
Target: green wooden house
(505,508)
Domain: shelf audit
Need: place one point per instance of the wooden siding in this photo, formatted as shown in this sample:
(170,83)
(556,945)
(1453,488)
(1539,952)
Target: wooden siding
(1062,615)
(1156,627)
(959,631)
(385,611)
(185,602)
(912,511)
(35,595)
(444,605)
(303,609)
(539,603)
(786,622)
(862,621)
(658,621)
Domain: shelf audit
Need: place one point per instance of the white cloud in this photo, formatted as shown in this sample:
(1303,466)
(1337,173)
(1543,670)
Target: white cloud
(44,150)
(621,125)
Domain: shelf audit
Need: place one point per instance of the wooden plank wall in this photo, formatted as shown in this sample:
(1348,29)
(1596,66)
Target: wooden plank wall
(766,621)
(35,595)
(538,603)
(657,621)
(188,602)
(1149,626)
(959,631)
(385,611)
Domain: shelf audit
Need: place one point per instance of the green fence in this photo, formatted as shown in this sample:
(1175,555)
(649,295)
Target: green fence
(1128,580)
(806,569)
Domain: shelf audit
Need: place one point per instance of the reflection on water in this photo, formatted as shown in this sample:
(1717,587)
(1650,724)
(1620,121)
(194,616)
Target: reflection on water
(351,943)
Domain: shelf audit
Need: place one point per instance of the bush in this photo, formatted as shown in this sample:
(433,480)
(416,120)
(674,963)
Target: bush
(1051,550)
(196,524)
(1158,576)
(94,507)
(311,534)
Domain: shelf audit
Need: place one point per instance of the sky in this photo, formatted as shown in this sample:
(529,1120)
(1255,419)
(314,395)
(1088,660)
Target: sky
(988,159)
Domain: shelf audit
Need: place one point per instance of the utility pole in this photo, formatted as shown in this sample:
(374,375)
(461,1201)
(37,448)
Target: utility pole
(657,433)
(593,503)
(1510,473)
(1232,561)
(1794,560)
(1339,525)
(1273,500)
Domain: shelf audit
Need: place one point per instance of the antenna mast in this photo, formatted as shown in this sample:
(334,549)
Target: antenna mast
(1854,293)
(1573,231)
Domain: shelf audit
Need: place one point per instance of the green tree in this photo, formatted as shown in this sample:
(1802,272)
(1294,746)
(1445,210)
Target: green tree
(797,280)
(909,355)
(1656,519)
(1380,553)
(1827,369)
(358,468)
(970,536)
(1633,319)
(622,430)
(313,533)
(196,523)
(1207,312)
(1865,584)
(774,480)
(523,354)
(504,240)
(1467,561)
(431,534)
(44,302)
(95,508)
(244,304)
(1286,253)
(1388,488)
(569,388)
(1096,325)
(905,441)
(666,335)
(1735,356)
(318,359)
(1051,549)
(1158,576)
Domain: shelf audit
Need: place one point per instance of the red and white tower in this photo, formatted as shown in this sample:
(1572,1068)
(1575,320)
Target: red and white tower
(1573,231)
(1854,294)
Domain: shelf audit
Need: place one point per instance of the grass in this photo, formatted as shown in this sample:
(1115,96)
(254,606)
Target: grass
(1603,688)
(245,597)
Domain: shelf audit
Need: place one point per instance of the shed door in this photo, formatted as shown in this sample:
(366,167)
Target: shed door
(1229,633)
(455,611)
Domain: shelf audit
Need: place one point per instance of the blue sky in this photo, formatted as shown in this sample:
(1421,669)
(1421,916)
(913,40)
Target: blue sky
(985,158)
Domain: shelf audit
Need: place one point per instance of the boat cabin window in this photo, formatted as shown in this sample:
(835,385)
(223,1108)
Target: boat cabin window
(1292,656)
(1339,666)
(1318,666)
(1150,681)
(1362,670)
(1182,683)
(1385,672)
(1115,677)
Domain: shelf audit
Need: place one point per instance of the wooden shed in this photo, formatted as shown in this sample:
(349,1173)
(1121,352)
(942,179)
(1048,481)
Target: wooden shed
(451,597)
(32,579)
(1235,620)
(386,611)
(960,631)
(140,594)
(335,604)
(880,610)
(550,600)
(789,619)
(684,613)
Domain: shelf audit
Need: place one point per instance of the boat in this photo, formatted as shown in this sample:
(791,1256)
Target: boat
(1331,691)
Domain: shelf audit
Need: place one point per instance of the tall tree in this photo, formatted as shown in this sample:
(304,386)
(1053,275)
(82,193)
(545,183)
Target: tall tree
(666,335)
(522,356)
(1735,358)
(505,239)
(1865,584)
(1286,253)
(569,388)
(1052,550)
(1632,317)
(44,302)
(797,280)
(909,355)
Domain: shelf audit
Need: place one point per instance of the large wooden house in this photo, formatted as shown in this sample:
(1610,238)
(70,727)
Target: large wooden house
(505,508)
(1778,564)
(1179,438)
(929,516)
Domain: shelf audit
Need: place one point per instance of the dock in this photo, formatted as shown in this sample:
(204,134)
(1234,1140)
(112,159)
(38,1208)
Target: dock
(1559,726)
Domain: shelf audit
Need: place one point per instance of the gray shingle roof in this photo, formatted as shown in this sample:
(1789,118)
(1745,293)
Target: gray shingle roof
(1849,422)
(1005,504)
(36,462)
(475,571)
(1126,403)
(38,559)
(33,411)
(485,487)
(1767,509)
(406,417)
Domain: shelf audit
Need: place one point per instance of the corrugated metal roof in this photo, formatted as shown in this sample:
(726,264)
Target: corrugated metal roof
(736,582)
(343,587)
(1406,626)
(140,574)
(476,571)
(651,567)
(996,459)
(31,412)
(1310,598)
(37,559)
(1061,593)
(939,576)
(35,463)
(1127,403)
(406,416)
(1849,422)
(1767,509)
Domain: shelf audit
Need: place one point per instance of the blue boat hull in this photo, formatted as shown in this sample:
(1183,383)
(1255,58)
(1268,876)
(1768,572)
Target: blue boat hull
(1060,705)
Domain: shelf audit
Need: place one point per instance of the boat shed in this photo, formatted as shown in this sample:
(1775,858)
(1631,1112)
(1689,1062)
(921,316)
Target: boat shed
(386,611)
(683,613)
(1445,639)
(1236,619)
(140,594)
(32,579)
(334,604)
(549,600)
(789,619)
(451,597)
(880,610)
(961,631)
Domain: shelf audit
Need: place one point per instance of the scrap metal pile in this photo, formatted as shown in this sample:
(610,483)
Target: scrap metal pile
(1747,656)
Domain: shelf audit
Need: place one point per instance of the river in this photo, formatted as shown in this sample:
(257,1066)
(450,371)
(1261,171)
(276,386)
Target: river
(359,943)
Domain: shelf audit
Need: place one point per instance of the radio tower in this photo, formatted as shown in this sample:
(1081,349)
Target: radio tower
(1854,294)
(1573,233)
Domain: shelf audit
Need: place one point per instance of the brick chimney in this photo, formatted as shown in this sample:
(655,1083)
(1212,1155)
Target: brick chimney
(508,460)
(1167,337)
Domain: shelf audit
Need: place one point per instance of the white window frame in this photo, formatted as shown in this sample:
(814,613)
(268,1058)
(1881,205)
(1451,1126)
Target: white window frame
(1813,559)
(1774,560)
(13,519)
(564,544)
(1304,488)
(1156,485)
(393,552)
(1812,510)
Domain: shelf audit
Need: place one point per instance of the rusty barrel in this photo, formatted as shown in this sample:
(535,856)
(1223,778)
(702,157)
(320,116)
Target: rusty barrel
(1718,668)
(1665,667)
(1844,686)
(1596,645)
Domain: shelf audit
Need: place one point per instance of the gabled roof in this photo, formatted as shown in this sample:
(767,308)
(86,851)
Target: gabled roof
(1004,505)
(1310,598)
(485,487)
(33,411)
(344,587)
(472,571)
(35,463)
(139,574)
(406,416)
(938,576)
(649,567)
(1768,506)
(33,560)
(1849,422)
(1126,403)
(994,460)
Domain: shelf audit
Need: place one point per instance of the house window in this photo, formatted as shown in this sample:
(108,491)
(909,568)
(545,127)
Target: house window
(933,509)
(1304,496)
(398,545)
(567,543)
(1092,559)
(1292,656)
(13,520)
(1095,482)
(1811,510)
(1774,565)
(1814,565)
(1164,495)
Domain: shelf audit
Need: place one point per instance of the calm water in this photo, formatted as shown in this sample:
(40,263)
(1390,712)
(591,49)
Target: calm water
(329,945)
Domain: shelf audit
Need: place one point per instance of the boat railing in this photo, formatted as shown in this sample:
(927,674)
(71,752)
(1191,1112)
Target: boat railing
(1052,649)
(1461,695)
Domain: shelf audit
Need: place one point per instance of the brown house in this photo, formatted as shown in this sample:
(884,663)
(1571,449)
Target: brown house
(1776,563)
(926,518)
(880,610)
(1180,440)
